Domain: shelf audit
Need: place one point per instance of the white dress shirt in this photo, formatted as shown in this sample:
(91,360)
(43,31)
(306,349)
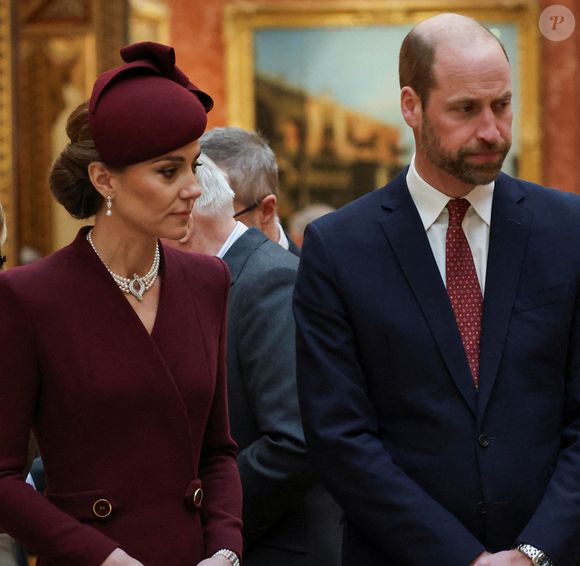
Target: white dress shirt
(431,205)
(234,235)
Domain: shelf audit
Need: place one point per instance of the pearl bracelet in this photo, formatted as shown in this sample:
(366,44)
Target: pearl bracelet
(229,554)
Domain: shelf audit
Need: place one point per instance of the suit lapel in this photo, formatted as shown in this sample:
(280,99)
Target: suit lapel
(510,222)
(241,250)
(402,225)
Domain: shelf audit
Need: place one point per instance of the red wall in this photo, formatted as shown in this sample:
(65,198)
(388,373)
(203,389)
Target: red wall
(196,35)
(560,98)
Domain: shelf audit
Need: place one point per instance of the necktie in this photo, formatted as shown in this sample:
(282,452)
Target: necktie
(462,284)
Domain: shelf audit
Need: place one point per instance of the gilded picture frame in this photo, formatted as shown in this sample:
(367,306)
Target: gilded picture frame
(283,39)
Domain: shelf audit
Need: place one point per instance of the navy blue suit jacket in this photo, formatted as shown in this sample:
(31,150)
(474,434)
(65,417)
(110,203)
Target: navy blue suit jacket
(427,469)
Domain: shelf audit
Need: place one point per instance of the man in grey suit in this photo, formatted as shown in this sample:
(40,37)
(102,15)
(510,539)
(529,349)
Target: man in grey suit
(252,170)
(288,518)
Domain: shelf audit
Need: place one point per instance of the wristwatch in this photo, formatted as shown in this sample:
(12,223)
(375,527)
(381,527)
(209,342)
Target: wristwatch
(537,557)
(229,554)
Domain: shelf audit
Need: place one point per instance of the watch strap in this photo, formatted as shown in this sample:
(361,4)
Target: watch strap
(537,556)
(229,554)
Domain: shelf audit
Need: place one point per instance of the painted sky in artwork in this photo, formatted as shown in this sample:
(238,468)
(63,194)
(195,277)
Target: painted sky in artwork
(357,66)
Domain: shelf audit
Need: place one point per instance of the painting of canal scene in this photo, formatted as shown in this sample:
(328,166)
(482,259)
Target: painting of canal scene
(320,81)
(327,100)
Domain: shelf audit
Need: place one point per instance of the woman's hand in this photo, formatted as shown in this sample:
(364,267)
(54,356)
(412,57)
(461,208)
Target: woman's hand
(215,561)
(120,558)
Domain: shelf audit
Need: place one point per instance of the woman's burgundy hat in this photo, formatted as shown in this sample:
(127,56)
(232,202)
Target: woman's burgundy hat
(146,107)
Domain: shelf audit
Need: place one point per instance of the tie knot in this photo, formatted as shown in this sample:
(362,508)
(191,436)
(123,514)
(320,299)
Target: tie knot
(457,208)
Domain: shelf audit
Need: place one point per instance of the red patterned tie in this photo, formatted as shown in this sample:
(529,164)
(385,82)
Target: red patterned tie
(462,284)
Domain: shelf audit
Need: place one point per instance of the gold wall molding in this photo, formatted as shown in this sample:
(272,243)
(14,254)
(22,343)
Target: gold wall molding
(111,28)
(62,45)
(7,179)
(51,12)
(149,20)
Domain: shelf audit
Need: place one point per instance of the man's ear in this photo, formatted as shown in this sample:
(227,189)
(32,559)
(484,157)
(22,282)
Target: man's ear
(101,178)
(411,107)
(267,211)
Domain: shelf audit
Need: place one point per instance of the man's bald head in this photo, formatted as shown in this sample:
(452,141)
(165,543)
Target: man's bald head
(420,46)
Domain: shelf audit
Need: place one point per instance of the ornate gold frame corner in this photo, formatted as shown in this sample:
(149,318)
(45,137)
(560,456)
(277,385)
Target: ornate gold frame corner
(242,19)
(7,196)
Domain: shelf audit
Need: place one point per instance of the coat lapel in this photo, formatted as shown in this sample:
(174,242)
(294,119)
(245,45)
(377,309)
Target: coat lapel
(404,230)
(118,335)
(178,343)
(241,250)
(510,223)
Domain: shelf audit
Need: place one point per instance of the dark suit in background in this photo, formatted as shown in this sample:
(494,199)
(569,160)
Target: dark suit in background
(288,518)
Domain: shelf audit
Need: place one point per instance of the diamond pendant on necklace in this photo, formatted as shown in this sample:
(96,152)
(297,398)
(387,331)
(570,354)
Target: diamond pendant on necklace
(136,286)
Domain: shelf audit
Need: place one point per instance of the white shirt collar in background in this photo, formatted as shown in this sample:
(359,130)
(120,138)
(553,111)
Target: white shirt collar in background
(282,239)
(236,233)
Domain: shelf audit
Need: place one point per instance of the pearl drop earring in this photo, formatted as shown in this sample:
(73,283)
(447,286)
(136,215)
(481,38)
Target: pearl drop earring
(109,206)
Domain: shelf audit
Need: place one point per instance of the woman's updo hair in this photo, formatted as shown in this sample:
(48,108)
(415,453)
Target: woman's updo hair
(69,177)
(140,110)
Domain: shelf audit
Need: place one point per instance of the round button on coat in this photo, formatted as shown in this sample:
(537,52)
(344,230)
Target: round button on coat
(197,497)
(483,440)
(102,508)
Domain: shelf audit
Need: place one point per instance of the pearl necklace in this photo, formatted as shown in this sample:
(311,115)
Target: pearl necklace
(135,285)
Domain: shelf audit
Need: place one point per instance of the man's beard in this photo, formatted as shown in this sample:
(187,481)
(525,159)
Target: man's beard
(457,165)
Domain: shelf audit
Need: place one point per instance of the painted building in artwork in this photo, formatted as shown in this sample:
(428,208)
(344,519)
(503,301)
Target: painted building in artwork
(326,152)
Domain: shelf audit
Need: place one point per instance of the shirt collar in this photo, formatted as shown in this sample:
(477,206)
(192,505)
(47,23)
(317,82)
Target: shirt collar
(239,229)
(430,202)
(282,239)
